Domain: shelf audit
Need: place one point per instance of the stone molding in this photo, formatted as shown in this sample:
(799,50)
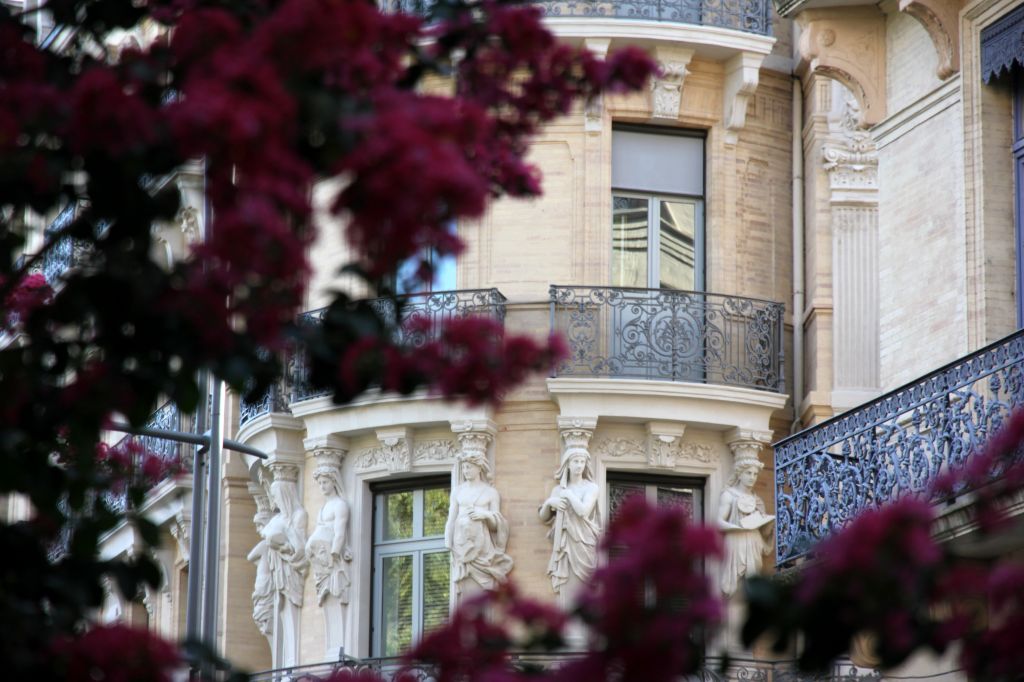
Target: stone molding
(941,19)
(741,76)
(847,44)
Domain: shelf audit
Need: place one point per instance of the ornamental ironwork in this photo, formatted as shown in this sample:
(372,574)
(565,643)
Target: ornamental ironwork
(669,335)
(892,446)
(414,321)
(750,16)
(715,669)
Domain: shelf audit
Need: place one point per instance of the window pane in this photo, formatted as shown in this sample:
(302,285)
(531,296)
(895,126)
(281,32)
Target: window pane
(677,267)
(398,515)
(436,585)
(435,511)
(629,242)
(396,609)
(676,497)
(618,492)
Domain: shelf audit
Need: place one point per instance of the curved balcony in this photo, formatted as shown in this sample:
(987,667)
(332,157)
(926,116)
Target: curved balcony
(661,334)
(892,446)
(438,307)
(750,16)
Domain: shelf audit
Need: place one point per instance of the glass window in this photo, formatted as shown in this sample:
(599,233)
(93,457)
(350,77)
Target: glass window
(660,490)
(657,210)
(443,276)
(411,565)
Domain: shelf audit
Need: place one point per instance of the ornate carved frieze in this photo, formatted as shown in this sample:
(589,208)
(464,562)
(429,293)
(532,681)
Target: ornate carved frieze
(847,44)
(396,449)
(663,451)
(434,452)
(621,448)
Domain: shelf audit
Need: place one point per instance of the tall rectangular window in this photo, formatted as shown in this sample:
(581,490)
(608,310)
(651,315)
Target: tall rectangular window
(657,209)
(411,567)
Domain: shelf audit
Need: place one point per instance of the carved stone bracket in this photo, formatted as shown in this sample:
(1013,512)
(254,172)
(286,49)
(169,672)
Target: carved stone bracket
(576,432)
(663,441)
(847,44)
(396,446)
(851,160)
(284,471)
(746,444)
(180,529)
(741,75)
(941,19)
(667,88)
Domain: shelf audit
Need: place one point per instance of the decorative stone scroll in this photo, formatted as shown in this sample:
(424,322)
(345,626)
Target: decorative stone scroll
(667,89)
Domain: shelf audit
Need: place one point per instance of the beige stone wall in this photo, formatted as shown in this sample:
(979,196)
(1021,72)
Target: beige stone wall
(921,243)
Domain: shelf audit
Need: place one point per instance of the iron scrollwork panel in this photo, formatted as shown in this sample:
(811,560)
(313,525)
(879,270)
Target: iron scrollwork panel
(893,446)
(669,335)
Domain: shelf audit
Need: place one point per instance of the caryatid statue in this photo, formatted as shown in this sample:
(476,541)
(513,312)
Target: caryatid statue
(572,511)
(328,550)
(743,521)
(476,532)
(285,535)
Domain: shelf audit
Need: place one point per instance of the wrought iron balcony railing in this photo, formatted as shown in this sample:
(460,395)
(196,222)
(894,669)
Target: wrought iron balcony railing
(177,455)
(751,16)
(757,670)
(435,307)
(669,335)
(893,445)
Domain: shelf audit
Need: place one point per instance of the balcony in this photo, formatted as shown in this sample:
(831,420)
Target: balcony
(714,669)
(749,16)
(438,307)
(660,334)
(893,445)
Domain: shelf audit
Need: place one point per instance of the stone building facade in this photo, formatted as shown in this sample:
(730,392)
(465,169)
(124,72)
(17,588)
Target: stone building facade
(837,184)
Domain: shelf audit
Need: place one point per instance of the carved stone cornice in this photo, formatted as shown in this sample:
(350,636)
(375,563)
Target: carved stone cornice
(847,44)
(941,19)
(741,75)
(667,87)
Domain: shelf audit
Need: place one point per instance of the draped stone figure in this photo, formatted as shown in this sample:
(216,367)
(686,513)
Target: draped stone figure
(744,523)
(329,552)
(263,589)
(571,509)
(285,535)
(476,532)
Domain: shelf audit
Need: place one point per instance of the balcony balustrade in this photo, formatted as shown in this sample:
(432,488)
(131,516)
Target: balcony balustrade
(435,307)
(751,16)
(892,446)
(712,671)
(669,335)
